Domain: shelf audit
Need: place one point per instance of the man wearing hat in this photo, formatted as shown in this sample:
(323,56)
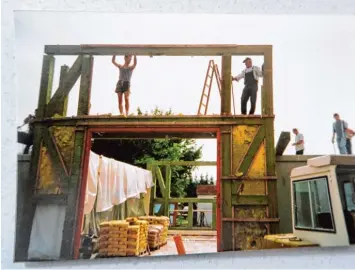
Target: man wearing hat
(251,75)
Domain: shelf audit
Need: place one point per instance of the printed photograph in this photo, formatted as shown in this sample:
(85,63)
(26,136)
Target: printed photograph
(144,135)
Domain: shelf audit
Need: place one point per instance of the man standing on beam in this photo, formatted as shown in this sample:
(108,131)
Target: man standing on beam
(251,75)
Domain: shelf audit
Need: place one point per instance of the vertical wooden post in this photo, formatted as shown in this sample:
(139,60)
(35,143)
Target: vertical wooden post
(268,110)
(213,215)
(63,105)
(267,89)
(28,209)
(167,189)
(46,85)
(190,216)
(72,210)
(85,85)
(226,190)
(226,96)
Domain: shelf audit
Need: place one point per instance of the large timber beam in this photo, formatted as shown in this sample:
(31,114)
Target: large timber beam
(64,88)
(282,143)
(153,49)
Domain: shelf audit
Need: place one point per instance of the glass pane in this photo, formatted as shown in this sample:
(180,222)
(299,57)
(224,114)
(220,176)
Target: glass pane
(303,217)
(350,205)
(322,215)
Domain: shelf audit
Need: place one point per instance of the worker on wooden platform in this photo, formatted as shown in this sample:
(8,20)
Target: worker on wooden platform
(344,135)
(340,130)
(26,138)
(299,142)
(251,75)
(123,86)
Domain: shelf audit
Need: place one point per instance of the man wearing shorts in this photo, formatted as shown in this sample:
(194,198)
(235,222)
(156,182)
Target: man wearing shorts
(124,81)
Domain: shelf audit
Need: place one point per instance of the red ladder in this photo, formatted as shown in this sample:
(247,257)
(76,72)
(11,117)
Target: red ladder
(206,92)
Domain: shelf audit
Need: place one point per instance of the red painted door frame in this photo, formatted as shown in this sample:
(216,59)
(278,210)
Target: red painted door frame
(85,167)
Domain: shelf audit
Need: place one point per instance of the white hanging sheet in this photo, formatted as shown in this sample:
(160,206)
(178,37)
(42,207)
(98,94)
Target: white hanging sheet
(132,181)
(91,185)
(141,180)
(104,201)
(118,182)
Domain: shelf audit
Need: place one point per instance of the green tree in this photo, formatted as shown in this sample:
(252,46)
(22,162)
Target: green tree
(140,151)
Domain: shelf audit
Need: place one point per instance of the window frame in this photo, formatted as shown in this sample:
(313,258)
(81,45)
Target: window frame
(325,177)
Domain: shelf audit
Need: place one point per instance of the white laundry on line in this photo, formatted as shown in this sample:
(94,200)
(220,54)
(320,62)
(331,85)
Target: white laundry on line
(104,201)
(91,185)
(118,182)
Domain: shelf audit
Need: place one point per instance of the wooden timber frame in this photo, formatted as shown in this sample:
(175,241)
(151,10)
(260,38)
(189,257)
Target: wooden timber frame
(246,193)
(164,184)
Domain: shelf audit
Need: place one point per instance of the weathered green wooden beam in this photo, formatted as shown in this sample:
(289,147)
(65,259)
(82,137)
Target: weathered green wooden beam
(183,163)
(270,169)
(155,135)
(46,199)
(85,85)
(268,99)
(185,200)
(167,189)
(45,89)
(226,242)
(251,152)
(72,210)
(226,93)
(64,89)
(157,50)
(282,143)
(249,200)
(160,181)
(214,215)
(62,106)
(190,216)
(152,122)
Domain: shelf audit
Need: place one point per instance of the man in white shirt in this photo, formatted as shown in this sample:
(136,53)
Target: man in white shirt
(299,142)
(251,75)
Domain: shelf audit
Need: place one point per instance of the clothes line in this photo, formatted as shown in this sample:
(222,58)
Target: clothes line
(112,182)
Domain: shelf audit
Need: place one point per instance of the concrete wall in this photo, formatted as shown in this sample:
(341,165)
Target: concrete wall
(284,166)
(23,173)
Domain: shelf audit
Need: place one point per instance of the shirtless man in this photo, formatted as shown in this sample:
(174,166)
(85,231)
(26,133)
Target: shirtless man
(124,82)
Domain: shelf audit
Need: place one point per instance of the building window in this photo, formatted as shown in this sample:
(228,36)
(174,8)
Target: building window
(348,190)
(312,208)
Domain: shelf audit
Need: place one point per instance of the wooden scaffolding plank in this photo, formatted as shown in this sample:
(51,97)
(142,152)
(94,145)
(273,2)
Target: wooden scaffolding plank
(62,106)
(46,85)
(226,93)
(282,143)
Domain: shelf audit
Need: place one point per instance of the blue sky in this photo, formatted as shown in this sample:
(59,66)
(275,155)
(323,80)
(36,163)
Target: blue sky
(313,64)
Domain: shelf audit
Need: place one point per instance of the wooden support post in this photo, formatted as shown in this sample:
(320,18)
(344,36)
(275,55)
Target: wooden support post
(267,89)
(270,169)
(167,190)
(72,210)
(64,88)
(85,85)
(226,98)
(226,234)
(62,106)
(45,90)
(28,209)
(213,215)
(190,216)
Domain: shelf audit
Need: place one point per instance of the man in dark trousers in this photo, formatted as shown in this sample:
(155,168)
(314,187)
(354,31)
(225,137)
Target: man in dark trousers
(26,138)
(251,75)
